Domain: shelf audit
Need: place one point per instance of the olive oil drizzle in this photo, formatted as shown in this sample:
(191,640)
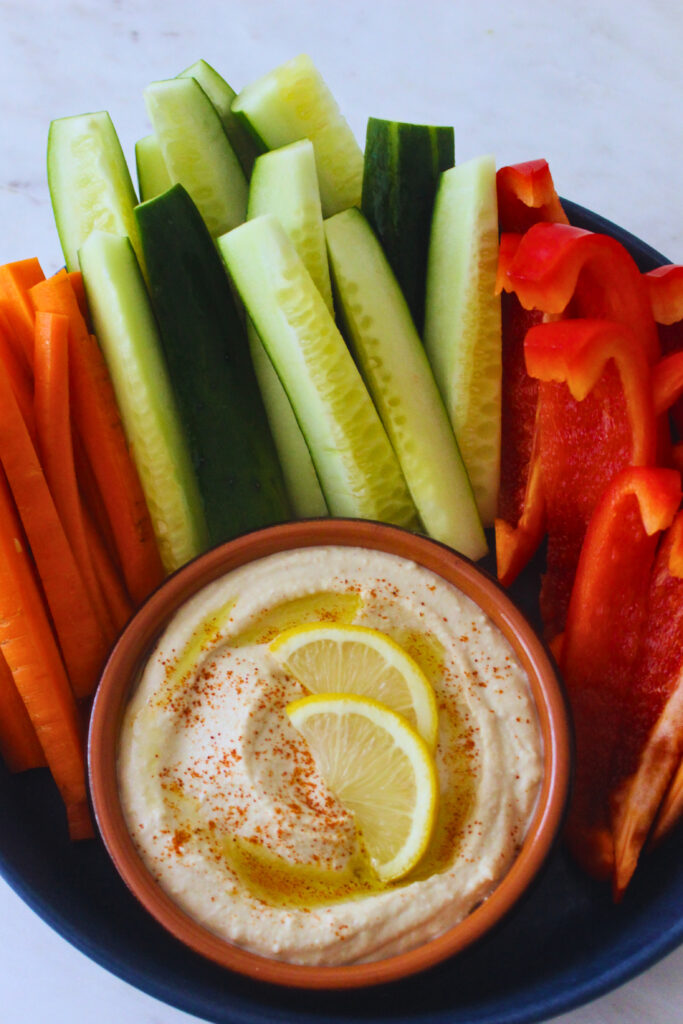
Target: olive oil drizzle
(266,875)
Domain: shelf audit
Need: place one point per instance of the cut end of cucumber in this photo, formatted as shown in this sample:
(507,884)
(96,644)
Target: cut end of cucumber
(222,96)
(197,152)
(89,181)
(285,183)
(293,102)
(400,177)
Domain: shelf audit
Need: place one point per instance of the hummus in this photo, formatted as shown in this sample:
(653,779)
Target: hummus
(225,803)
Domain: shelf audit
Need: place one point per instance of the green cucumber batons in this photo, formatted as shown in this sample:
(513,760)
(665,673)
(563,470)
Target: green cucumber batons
(211,371)
(401,172)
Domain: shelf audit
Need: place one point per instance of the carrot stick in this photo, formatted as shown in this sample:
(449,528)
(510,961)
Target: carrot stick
(29,647)
(101,540)
(19,374)
(76,279)
(80,636)
(19,744)
(16,279)
(53,426)
(99,424)
(119,603)
(90,492)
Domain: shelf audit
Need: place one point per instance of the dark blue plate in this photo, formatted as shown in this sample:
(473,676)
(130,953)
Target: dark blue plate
(565,944)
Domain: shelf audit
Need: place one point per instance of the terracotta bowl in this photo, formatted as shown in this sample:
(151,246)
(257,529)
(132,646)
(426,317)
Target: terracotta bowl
(133,648)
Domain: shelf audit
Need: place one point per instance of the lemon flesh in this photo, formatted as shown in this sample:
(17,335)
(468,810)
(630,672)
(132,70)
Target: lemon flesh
(355,659)
(379,768)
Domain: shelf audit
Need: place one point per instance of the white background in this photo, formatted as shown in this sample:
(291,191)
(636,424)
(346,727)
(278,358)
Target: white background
(595,87)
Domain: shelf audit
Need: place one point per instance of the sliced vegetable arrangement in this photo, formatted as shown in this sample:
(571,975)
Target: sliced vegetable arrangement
(77,551)
(453,355)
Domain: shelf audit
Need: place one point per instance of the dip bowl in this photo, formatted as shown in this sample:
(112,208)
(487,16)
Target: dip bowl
(134,648)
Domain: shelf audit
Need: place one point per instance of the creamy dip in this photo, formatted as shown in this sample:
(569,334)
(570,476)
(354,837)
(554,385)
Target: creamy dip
(224,800)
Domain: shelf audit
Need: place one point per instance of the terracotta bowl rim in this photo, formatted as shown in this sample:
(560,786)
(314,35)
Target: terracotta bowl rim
(134,645)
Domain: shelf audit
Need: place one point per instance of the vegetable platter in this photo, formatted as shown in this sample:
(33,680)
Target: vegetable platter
(97,262)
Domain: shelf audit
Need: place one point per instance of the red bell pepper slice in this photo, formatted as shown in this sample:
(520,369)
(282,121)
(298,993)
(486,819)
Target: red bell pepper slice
(520,522)
(595,416)
(526,195)
(667,382)
(665,288)
(507,248)
(671,808)
(562,269)
(651,725)
(602,641)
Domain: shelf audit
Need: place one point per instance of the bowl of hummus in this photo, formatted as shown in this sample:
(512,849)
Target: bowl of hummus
(214,811)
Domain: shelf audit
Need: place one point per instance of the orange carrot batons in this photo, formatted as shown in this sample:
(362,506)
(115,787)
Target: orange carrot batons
(19,745)
(16,279)
(118,602)
(30,650)
(18,372)
(76,280)
(53,426)
(80,636)
(98,422)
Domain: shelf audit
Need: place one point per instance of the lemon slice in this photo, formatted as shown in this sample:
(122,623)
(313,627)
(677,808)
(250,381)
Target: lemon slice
(379,768)
(355,659)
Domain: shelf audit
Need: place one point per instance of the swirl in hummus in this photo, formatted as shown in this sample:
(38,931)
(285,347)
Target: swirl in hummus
(225,803)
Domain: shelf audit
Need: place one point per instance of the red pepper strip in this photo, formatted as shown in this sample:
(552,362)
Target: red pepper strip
(518,412)
(507,248)
(651,727)
(562,269)
(667,382)
(671,808)
(595,416)
(521,514)
(526,195)
(601,642)
(665,285)
(665,288)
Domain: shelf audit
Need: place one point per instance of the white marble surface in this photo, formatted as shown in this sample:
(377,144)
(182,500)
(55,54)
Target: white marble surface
(595,87)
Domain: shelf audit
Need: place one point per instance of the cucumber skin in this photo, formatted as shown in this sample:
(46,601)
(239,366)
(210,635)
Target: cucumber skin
(400,176)
(220,193)
(211,371)
(303,486)
(283,182)
(128,336)
(376,322)
(314,380)
(221,95)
